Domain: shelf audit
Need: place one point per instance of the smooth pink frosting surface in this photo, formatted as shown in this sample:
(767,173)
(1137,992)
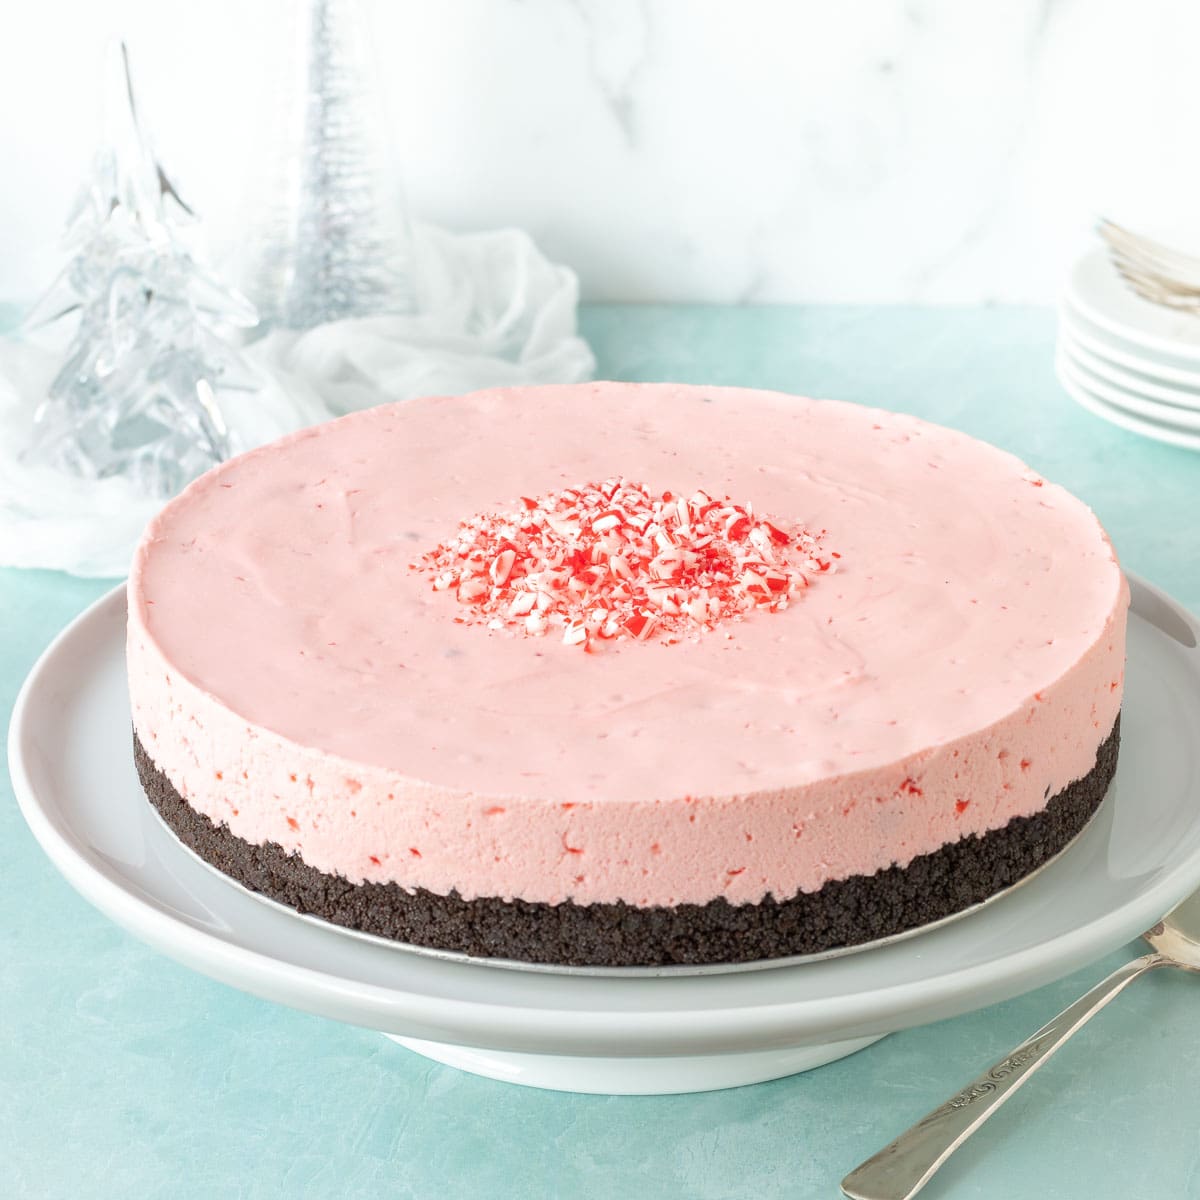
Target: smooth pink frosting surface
(299,682)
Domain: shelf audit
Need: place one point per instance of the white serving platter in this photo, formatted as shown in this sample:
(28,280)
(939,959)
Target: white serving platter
(71,760)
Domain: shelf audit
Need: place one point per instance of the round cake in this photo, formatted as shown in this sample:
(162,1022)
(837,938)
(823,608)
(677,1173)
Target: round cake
(617,674)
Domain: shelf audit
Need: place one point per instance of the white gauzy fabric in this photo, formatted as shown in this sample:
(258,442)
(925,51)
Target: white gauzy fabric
(494,311)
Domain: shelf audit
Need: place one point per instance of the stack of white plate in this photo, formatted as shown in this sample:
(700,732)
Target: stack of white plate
(1131,362)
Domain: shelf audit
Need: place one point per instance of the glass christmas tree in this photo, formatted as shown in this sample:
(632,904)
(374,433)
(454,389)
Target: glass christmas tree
(136,396)
(335,240)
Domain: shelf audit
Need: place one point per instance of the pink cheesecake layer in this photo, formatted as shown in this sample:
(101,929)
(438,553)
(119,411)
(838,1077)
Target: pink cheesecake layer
(297,681)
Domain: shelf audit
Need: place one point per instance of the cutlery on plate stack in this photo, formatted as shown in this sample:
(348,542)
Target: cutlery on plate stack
(1129,337)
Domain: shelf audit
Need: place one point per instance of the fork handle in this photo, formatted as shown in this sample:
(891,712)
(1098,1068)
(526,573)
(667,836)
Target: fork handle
(901,1169)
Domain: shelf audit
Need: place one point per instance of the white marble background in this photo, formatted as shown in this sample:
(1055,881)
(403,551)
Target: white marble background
(723,150)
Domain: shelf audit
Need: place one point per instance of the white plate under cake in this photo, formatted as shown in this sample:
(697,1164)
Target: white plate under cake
(622,674)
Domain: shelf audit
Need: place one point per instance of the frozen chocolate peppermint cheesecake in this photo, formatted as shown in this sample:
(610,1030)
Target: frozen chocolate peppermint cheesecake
(620,674)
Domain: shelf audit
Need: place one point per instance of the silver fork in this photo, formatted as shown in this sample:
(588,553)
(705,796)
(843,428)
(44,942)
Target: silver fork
(901,1169)
(1155,271)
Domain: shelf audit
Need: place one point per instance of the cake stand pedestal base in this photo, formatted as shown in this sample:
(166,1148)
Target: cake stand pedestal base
(634,1076)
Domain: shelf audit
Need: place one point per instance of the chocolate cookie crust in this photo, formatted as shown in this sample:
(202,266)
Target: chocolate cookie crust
(843,913)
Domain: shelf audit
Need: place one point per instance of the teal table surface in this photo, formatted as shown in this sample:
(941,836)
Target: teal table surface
(125,1075)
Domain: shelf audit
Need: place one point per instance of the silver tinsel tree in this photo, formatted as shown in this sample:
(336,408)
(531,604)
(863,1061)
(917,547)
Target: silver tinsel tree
(337,241)
(136,396)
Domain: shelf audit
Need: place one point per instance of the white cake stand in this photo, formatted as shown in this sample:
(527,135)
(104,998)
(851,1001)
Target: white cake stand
(71,759)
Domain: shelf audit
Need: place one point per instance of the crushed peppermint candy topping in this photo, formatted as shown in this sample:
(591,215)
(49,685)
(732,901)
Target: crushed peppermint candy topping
(612,561)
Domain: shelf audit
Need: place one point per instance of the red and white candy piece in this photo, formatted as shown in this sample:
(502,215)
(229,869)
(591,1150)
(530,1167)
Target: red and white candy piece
(614,560)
